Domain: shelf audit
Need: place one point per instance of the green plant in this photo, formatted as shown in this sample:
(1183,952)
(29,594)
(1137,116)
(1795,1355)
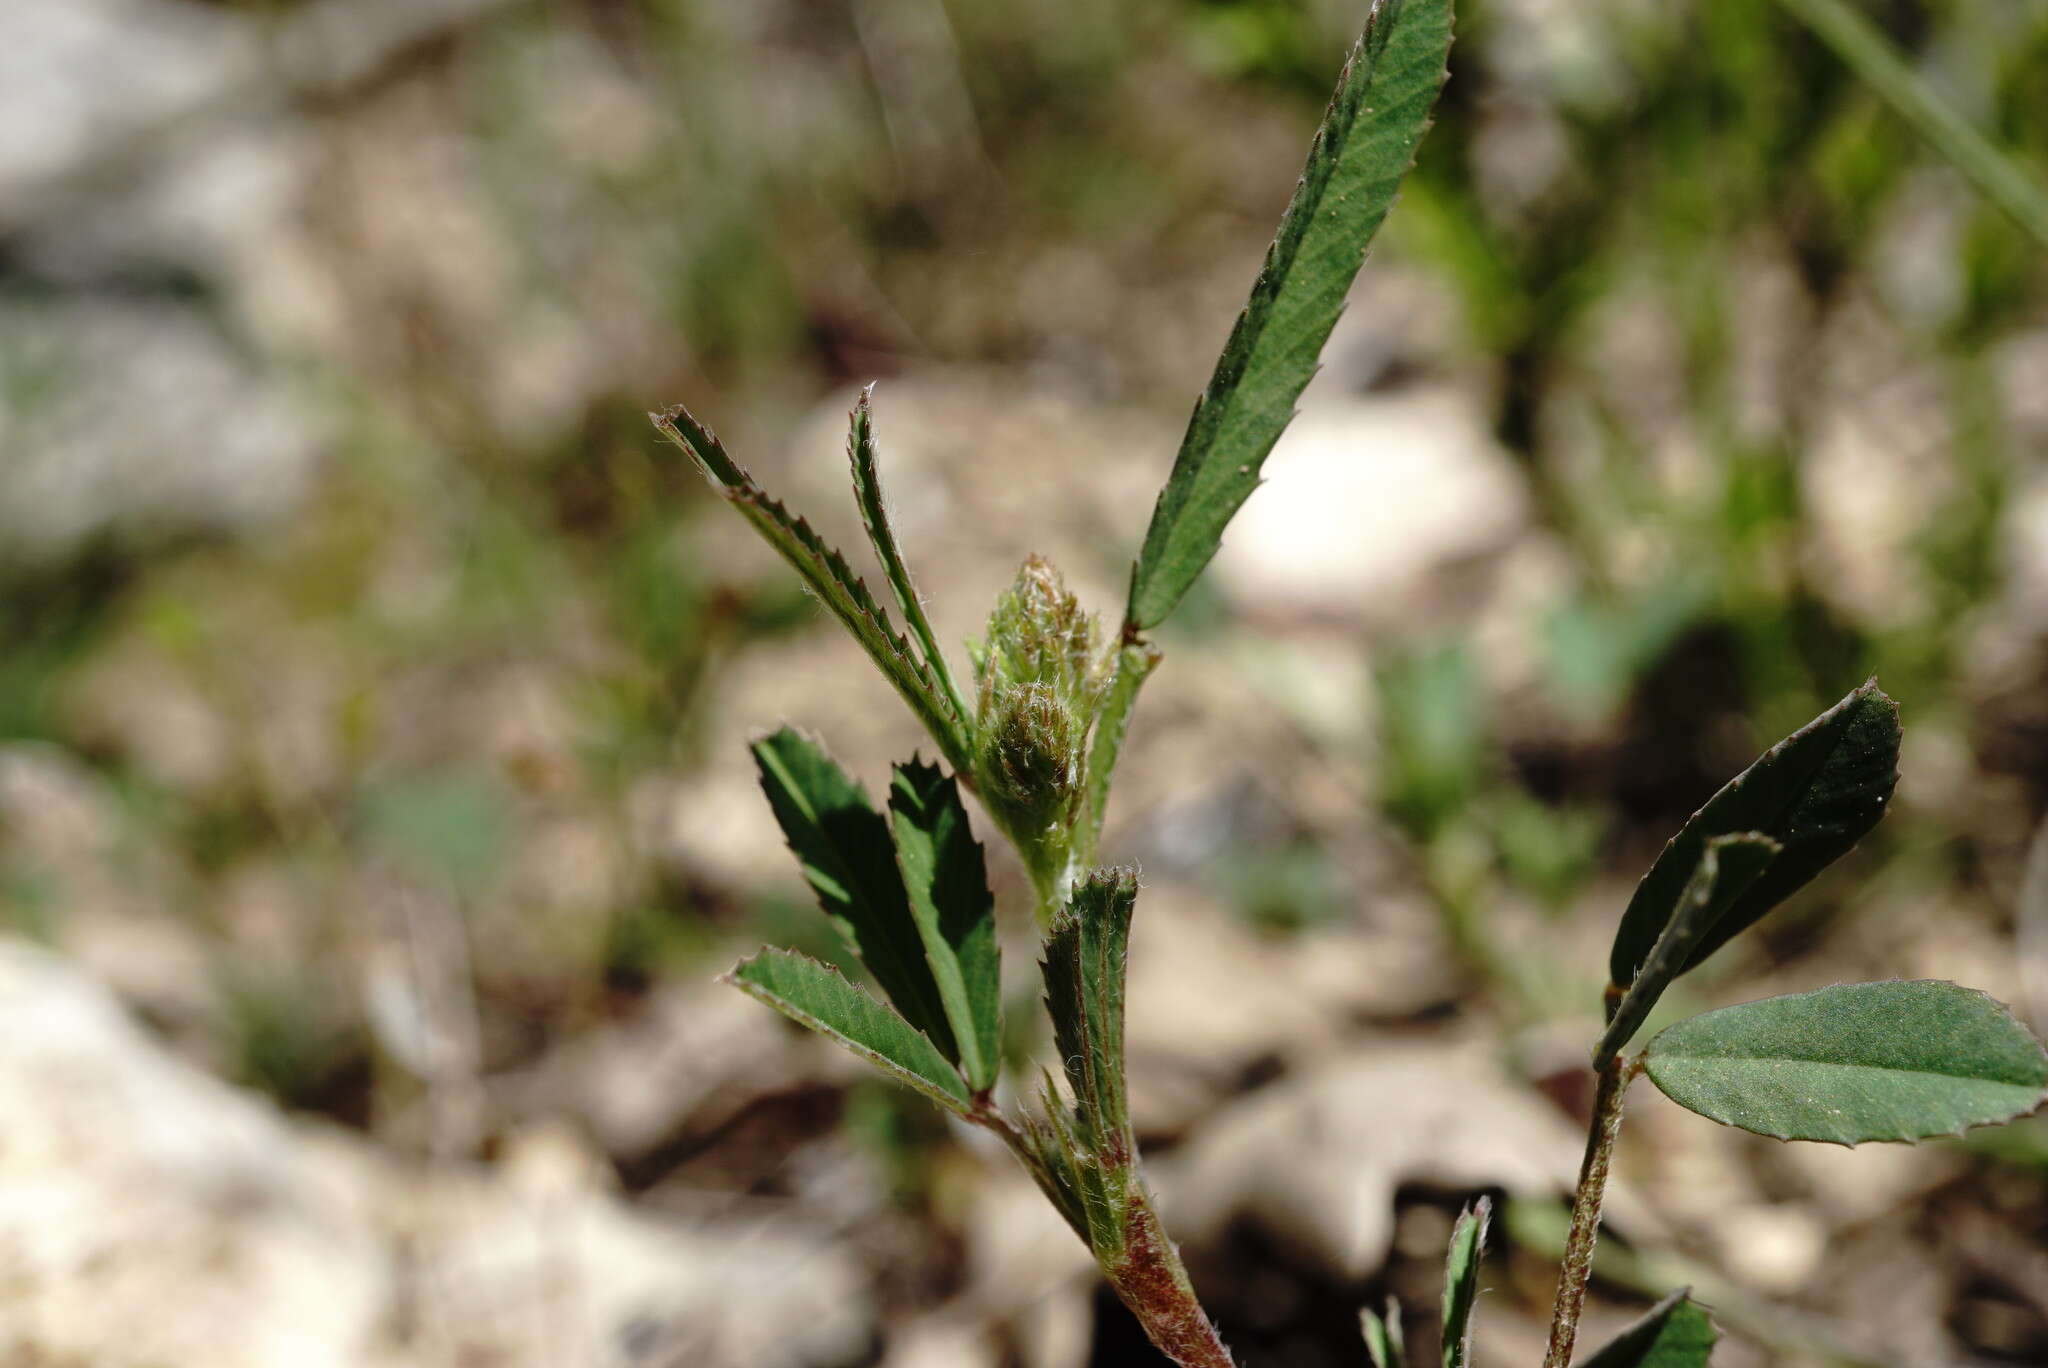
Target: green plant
(1899,1061)
(1037,738)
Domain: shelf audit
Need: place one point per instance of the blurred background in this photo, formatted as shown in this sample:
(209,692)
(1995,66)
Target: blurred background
(374,685)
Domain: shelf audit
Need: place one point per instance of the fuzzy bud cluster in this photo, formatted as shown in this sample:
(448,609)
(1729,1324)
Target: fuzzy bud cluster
(1039,677)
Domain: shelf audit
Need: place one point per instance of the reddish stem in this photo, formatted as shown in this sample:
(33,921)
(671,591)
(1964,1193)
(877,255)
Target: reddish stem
(1152,1281)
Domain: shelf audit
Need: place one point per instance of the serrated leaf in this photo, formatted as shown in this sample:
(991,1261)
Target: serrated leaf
(1383,1343)
(819,996)
(1085,965)
(1855,1062)
(1816,793)
(874,516)
(1365,144)
(1728,866)
(844,848)
(825,571)
(947,884)
(1461,1281)
(1675,1333)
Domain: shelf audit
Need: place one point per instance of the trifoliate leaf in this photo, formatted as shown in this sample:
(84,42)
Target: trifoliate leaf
(844,848)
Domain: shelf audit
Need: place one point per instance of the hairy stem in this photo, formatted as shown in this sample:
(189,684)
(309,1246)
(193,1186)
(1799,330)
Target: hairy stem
(1615,1076)
(1150,1278)
(1136,659)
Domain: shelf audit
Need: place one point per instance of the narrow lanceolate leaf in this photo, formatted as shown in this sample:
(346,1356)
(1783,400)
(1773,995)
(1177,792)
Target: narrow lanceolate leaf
(1728,866)
(1366,143)
(818,996)
(1085,964)
(825,571)
(1461,1281)
(1816,793)
(843,845)
(947,883)
(1383,1336)
(874,515)
(1859,1061)
(1675,1333)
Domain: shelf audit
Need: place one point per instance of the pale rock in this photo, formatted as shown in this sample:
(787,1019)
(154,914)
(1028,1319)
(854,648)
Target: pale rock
(634,1080)
(150,1214)
(138,422)
(61,116)
(1365,499)
(935,1342)
(1208,996)
(1772,1248)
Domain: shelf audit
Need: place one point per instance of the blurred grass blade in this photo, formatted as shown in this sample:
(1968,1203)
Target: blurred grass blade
(1866,51)
(818,996)
(1461,1281)
(947,883)
(843,845)
(1383,1336)
(1728,866)
(874,515)
(829,577)
(1365,145)
(1816,793)
(1085,963)
(1855,1062)
(1675,1333)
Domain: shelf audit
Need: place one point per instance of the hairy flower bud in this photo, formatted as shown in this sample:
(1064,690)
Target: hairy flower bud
(1040,682)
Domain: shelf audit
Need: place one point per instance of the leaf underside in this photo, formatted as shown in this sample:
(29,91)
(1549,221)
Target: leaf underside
(819,996)
(1675,1333)
(947,883)
(1461,1281)
(1859,1061)
(1816,793)
(1728,866)
(1365,144)
(828,576)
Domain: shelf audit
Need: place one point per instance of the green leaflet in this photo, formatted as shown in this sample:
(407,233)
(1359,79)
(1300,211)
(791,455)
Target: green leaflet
(1085,964)
(874,515)
(1366,143)
(1855,1062)
(1816,793)
(829,577)
(1728,866)
(1084,968)
(947,883)
(1383,1336)
(843,845)
(818,996)
(1675,1333)
(1461,1281)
